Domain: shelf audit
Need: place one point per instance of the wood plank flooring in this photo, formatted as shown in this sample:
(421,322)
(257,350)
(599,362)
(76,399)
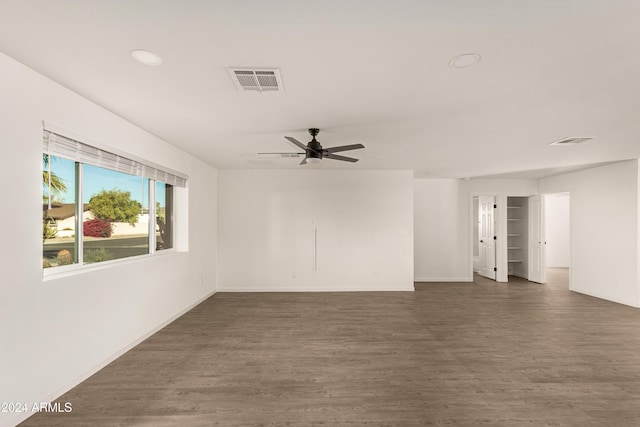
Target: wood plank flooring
(464,354)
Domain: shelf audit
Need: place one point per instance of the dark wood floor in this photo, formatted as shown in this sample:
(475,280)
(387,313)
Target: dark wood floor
(467,354)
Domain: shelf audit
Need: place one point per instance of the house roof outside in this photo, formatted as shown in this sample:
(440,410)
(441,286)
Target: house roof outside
(61,211)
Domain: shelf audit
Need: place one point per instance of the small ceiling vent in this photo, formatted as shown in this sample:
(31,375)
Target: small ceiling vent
(258,79)
(571,141)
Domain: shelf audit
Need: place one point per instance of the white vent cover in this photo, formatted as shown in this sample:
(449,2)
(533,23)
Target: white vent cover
(258,79)
(571,141)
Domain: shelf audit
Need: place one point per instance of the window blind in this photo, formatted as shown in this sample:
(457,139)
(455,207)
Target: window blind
(58,145)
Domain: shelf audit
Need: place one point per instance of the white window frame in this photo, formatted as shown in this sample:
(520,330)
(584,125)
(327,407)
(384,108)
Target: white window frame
(143,168)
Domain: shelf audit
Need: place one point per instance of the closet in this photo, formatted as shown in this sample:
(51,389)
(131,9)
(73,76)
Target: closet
(517,236)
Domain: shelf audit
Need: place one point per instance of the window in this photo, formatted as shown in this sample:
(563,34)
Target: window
(99,206)
(164,215)
(116,223)
(58,211)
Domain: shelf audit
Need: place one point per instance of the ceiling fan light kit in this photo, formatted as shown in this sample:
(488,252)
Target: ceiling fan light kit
(314,152)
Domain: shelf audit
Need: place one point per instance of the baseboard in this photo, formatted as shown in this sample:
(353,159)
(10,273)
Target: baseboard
(607,298)
(223,290)
(443,279)
(19,417)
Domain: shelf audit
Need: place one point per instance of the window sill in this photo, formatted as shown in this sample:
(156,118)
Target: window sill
(55,273)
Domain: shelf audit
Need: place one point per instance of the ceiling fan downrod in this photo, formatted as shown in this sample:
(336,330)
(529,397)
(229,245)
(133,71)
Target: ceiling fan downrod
(314,147)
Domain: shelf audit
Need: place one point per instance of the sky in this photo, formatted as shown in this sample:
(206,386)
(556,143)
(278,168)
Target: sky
(97,179)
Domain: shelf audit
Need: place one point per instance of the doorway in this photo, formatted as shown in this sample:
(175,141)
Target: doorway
(508,237)
(557,216)
(525,237)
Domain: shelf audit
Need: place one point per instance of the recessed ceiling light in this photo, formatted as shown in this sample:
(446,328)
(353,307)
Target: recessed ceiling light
(465,60)
(145,57)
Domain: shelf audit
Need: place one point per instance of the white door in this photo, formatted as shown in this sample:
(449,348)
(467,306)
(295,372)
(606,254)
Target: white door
(486,234)
(537,241)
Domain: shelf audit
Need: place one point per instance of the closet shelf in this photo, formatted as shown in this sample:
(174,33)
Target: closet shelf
(517,222)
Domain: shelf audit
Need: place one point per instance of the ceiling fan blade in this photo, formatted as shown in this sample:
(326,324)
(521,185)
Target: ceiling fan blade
(337,157)
(296,142)
(283,153)
(304,161)
(343,148)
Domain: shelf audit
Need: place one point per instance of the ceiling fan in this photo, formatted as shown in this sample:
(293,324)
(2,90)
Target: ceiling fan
(314,152)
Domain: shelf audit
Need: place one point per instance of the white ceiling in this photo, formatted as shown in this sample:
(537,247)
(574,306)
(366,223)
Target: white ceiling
(371,72)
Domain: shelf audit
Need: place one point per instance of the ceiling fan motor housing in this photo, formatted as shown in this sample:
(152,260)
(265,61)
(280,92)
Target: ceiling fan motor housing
(314,150)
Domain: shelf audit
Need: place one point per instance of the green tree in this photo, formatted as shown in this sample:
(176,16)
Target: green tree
(115,205)
(161,221)
(48,232)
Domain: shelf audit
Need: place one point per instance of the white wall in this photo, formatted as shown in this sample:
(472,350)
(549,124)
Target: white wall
(54,333)
(267,218)
(441,232)
(604,230)
(502,187)
(556,219)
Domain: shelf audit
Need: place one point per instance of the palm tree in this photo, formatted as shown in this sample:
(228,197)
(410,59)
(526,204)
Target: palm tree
(53,184)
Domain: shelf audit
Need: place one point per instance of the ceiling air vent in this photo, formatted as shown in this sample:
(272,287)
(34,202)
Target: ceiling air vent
(258,79)
(571,141)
